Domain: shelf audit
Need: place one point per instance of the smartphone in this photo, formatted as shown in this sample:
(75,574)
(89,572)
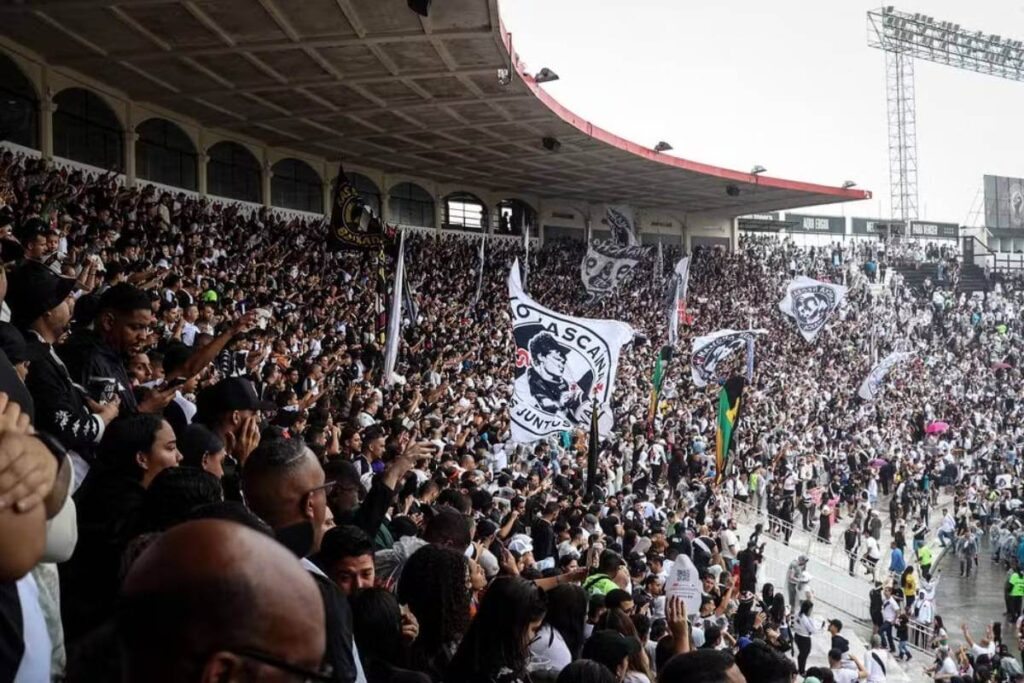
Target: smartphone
(176,382)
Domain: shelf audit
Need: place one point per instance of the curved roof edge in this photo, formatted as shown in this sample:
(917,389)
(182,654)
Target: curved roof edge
(609,138)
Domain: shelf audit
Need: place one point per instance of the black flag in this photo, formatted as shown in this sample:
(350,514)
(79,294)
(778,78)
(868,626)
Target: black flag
(353,226)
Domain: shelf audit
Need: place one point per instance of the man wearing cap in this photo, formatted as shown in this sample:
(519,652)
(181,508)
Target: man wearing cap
(34,235)
(41,306)
(231,410)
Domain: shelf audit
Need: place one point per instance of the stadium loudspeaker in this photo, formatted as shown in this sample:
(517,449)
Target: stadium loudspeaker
(732,190)
(420,7)
(551,144)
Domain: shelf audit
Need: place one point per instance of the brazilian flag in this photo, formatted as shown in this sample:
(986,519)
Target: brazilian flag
(657,380)
(730,400)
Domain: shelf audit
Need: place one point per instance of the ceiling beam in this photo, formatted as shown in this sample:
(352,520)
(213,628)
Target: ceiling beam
(321,114)
(318,42)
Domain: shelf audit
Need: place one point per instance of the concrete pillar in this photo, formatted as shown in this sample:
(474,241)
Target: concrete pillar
(385,208)
(46,111)
(202,160)
(328,198)
(266,175)
(130,138)
(438,211)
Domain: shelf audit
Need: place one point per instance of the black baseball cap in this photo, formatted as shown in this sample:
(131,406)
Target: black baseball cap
(13,344)
(609,647)
(32,290)
(233,393)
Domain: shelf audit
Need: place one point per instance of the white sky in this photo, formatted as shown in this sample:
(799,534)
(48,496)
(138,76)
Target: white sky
(788,84)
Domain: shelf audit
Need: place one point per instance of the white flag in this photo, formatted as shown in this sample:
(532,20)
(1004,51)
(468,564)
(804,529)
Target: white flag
(810,303)
(710,350)
(565,368)
(872,384)
(683,271)
(480,271)
(395,317)
(659,268)
(526,251)
(607,265)
(620,222)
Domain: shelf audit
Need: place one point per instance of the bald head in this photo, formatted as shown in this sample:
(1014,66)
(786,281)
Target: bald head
(209,591)
(281,482)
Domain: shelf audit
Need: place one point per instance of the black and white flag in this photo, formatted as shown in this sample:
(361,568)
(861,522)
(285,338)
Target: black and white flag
(810,303)
(872,384)
(479,270)
(565,368)
(711,350)
(620,221)
(607,265)
(395,316)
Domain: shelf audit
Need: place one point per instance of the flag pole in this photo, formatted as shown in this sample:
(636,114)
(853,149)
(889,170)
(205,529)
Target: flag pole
(592,451)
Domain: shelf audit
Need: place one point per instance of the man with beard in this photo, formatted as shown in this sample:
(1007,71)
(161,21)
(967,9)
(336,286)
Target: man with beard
(544,381)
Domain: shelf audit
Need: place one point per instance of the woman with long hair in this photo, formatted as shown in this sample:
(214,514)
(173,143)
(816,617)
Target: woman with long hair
(560,638)
(496,648)
(433,585)
(377,625)
(804,627)
(638,669)
(133,450)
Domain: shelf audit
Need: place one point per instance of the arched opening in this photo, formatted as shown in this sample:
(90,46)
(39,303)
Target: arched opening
(164,153)
(233,172)
(296,185)
(19,106)
(515,215)
(465,211)
(368,191)
(410,204)
(85,129)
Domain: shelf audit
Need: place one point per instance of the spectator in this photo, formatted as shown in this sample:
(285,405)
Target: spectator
(346,557)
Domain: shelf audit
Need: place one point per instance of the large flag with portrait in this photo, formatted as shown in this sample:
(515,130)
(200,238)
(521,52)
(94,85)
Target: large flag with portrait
(620,221)
(565,368)
(872,384)
(607,265)
(811,303)
(712,350)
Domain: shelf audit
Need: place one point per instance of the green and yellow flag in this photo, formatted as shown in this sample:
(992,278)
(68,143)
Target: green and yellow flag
(730,399)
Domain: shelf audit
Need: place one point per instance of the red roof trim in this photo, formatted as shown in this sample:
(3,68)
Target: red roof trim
(609,138)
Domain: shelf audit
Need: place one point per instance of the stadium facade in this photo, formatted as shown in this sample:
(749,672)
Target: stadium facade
(436,118)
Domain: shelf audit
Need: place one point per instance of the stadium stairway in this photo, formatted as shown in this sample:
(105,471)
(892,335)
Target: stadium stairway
(972,279)
(914,276)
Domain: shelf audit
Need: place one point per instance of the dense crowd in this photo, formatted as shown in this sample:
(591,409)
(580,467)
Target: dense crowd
(202,476)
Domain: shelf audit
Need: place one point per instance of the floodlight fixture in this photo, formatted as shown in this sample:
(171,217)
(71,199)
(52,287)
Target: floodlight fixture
(847,184)
(758,170)
(662,147)
(545,75)
(420,7)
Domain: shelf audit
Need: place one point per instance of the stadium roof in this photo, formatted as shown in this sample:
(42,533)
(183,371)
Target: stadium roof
(373,83)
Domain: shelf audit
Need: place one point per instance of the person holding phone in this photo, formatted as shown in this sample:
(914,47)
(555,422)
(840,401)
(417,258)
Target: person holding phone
(41,307)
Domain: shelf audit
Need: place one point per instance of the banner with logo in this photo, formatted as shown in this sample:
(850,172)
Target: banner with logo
(810,303)
(872,384)
(607,265)
(620,222)
(565,368)
(353,226)
(711,350)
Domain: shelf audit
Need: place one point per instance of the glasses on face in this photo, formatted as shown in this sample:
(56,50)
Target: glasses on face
(326,487)
(324,675)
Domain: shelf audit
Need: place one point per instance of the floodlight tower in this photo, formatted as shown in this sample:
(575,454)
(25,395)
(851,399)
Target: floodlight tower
(905,37)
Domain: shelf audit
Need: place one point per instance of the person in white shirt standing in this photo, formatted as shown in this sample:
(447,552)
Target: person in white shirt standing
(875,663)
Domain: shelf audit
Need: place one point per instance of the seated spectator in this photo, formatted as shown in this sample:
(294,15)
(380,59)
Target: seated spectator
(202,449)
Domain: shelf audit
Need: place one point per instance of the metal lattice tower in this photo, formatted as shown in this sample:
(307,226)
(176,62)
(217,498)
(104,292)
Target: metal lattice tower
(905,37)
(899,88)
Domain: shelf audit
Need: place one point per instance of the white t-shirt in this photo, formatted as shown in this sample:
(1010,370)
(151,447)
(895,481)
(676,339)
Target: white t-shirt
(549,645)
(842,675)
(876,673)
(948,666)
